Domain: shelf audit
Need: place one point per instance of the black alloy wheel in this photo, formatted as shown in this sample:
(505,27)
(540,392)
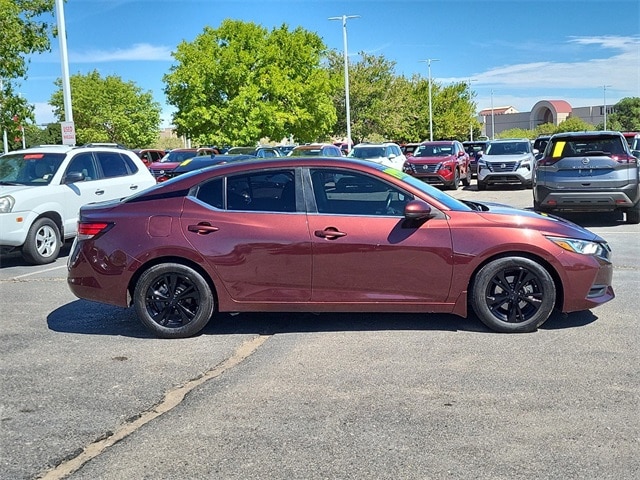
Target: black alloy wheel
(513,294)
(173,300)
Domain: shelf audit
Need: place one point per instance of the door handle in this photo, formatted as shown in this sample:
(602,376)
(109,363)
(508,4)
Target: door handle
(329,233)
(202,228)
(99,192)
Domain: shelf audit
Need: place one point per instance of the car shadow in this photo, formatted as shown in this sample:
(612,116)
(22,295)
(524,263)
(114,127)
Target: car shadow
(15,259)
(90,318)
(594,219)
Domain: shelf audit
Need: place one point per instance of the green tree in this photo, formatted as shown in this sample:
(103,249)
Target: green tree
(240,83)
(110,110)
(574,124)
(22,32)
(51,134)
(626,117)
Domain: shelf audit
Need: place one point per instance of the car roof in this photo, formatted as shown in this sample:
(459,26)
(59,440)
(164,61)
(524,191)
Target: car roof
(588,134)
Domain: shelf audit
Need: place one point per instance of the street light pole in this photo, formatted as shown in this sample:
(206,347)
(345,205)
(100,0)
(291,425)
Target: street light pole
(493,123)
(604,99)
(471,122)
(428,61)
(344,18)
(64,59)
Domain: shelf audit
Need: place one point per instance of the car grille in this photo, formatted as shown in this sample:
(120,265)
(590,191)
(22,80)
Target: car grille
(500,167)
(422,168)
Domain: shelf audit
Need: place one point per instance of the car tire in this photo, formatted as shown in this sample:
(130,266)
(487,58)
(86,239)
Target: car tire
(481,185)
(43,242)
(513,294)
(633,214)
(173,300)
(456,180)
(466,181)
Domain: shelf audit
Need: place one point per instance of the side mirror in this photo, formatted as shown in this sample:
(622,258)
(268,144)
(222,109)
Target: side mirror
(73,177)
(461,153)
(417,210)
(636,153)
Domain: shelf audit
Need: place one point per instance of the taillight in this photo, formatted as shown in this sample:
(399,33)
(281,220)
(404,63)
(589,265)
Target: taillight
(624,159)
(87,230)
(547,161)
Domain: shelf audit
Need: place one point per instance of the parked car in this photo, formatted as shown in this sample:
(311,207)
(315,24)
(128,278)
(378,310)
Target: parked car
(149,155)
(588,172)
(285,149)
(506,162)
(279,235)
(475,149)
(316,150)
(388,154)
(345,147)
(43,188)
(540,143)
(175,157)
(443,162)
(203,161)
(260,152)
(409,148)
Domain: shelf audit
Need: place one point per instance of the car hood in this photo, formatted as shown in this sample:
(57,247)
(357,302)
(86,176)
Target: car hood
(505,158)
(543,222)
(440,159)
(164,165)
(13,189)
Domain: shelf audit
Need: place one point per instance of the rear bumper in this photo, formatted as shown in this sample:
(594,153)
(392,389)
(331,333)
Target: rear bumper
(585,201)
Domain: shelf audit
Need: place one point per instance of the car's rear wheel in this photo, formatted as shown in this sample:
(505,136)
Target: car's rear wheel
(43,242)
(173,300)
(633,214)
(513,294)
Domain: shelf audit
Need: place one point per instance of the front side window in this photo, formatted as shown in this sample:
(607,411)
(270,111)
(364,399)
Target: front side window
(83,163)
(352,193)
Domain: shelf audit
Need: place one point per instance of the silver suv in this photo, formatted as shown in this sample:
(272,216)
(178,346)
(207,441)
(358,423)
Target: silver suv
(506,162)
(43,188)
(588,172)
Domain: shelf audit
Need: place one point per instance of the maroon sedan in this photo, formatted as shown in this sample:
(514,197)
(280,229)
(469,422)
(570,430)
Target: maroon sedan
(329,235)
(443,162)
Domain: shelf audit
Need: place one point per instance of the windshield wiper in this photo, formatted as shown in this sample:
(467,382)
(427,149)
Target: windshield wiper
(11,183)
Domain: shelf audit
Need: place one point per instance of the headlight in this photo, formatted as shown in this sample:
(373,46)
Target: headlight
(583,247)
(6,204)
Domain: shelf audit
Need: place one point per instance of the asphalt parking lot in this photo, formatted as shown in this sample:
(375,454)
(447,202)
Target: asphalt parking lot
(87,393)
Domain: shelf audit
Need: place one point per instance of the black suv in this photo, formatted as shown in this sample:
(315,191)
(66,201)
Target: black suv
(588,172)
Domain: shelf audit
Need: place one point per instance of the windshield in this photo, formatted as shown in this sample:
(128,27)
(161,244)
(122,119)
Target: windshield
(179,155)
(29,168)
(433,151)
(367,152)
(508,148)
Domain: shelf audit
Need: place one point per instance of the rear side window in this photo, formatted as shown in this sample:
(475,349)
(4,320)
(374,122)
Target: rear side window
(114,164)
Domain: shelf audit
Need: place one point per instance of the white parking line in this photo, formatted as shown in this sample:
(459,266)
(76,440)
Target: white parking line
(39,271)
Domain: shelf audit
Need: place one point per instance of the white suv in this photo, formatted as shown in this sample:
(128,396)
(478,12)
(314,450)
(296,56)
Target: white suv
(506,162)
(389,154)
(43,188)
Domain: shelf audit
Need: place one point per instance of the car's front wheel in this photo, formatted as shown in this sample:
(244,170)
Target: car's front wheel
(513,294)
(173,300)
(43,242)
(456,180)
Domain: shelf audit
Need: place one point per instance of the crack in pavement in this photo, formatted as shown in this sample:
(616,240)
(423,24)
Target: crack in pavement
(172,399)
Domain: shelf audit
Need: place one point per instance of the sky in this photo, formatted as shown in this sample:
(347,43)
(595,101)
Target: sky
(512,52)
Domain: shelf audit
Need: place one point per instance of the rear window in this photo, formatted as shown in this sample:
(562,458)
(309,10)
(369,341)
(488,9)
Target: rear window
(587,146)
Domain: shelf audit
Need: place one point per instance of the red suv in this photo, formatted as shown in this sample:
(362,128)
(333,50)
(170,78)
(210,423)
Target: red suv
(442,162)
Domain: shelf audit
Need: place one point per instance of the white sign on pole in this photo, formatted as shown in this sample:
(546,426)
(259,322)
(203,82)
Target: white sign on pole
(68,133)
